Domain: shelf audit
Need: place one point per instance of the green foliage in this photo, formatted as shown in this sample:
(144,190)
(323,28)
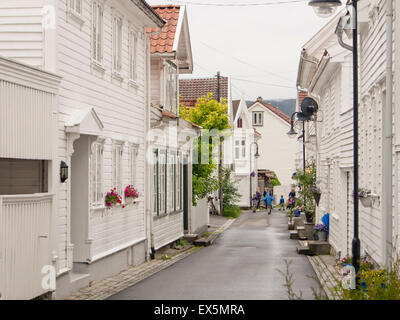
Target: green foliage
(232,211)
(306,180)
(229,189)
(274,182)
(209,114)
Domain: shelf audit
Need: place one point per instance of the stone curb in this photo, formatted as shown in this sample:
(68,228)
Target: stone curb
(127,278)
(213,236)
(325,277)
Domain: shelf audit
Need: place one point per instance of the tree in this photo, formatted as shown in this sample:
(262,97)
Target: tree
(210,115)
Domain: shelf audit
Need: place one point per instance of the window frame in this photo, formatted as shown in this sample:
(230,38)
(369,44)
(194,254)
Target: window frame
(117,165)
(96,186)
(97,50)
(132,47)
(240,147)
(256,115)
(117,41)
(171,76)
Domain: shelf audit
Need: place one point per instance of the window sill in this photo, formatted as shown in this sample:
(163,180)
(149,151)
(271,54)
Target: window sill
(75,17)
(117,76)
(98,208)
(133,83)
(97,66)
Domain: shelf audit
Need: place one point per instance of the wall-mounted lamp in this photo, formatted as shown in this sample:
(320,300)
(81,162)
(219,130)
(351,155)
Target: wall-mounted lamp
(63,171)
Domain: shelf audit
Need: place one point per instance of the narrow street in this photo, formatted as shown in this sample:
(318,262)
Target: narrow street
(241,264)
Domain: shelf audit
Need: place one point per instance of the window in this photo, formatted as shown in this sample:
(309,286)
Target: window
(132,55)
(20,176)
(240,149)
(171,89)
(172,181)
(240,123)
(133,149)
(179,182)
(75,6)
(117,150)
(257,118)
(160,182)
(96,175)
(97,32)
(117,44)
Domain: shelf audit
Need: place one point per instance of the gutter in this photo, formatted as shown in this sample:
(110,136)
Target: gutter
(387,189)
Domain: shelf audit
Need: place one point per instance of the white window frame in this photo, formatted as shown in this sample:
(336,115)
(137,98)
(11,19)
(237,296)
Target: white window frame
(96,166)
(240,149)
(117,167)
(179,181)
(256,118)
(117,36)
(171,93)
(133,40)
(74,11)
(162,182)
(172,181)
(155,183)
(97,33)
(133,152)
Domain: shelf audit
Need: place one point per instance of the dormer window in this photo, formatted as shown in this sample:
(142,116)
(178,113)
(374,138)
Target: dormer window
(258,118)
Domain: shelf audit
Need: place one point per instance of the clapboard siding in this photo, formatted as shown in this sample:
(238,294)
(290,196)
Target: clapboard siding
(372,76)
(167,229)
(21,32)
(121,108)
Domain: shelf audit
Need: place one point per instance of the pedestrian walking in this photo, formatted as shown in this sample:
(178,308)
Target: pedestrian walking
(268,202)
(254,201)
(258,195)
(292,199)
(282,203)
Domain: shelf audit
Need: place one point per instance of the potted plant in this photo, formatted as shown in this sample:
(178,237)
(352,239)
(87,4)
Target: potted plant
(131,194)
(316,192)
(321,231)
(365,197)
(113,198)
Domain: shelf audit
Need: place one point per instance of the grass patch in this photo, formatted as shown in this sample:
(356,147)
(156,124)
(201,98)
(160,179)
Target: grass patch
(166,257)
(232,211)
(181,242)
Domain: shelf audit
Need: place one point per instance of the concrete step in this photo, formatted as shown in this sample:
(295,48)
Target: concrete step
(190,237)
(301,231)
(319,247)
(202,242)
(290,226)
(304,250)
(294,234)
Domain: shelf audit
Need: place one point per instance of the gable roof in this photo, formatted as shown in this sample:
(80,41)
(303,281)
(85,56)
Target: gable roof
(273,109)
(192,89)
(235,107)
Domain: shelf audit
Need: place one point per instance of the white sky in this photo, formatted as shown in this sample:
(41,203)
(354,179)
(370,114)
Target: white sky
(268,38)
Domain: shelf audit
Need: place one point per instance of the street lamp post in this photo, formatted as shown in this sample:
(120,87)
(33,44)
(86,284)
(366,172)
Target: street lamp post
(256,155)
(328,7)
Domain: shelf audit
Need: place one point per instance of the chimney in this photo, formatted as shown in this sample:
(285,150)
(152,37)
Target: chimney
(259,99)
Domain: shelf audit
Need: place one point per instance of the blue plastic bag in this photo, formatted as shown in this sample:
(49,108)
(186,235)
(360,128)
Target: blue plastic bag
(325,221)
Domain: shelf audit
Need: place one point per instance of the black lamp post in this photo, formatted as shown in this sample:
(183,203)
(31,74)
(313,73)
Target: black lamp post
(256,155)
(329,6)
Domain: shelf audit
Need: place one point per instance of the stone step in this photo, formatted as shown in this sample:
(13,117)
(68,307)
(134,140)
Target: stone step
(294,234)
(304,250)
(190,237)
(320,247)
(290,226)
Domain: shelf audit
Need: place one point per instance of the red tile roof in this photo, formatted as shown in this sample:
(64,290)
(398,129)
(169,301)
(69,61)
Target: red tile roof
(192,89)
(169,114)
(163,42)
(302,96)
(275,110)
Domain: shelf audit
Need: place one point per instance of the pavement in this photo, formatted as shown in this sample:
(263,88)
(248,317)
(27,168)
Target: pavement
(242,264)
(127,278)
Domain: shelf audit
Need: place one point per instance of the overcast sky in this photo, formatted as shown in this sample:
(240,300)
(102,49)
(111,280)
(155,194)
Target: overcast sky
(258,44)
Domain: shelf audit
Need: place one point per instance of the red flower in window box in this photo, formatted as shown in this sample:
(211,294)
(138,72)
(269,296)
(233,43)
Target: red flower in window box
(113,198)
(131,193)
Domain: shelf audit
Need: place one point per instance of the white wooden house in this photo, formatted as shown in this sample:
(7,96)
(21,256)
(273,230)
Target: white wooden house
(325,73)
(277,151)
(171,136)
(240,149)
(96,125)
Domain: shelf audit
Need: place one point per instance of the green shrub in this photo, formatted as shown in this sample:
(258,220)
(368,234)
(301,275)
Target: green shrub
(232,211)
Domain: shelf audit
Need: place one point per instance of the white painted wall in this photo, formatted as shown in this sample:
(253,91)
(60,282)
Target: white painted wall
(277,150)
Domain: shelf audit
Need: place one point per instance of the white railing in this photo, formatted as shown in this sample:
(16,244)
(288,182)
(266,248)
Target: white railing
(25,226)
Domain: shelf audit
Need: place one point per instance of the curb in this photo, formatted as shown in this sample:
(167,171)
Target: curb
(212,237)
(127,278)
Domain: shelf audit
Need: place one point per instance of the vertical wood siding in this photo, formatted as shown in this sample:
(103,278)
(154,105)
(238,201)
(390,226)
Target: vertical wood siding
(24,244)
(26,122)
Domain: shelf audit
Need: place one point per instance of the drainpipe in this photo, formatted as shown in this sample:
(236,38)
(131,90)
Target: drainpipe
(387,191)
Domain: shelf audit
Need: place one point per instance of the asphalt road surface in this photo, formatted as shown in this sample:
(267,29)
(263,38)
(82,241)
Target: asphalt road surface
(240,265)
